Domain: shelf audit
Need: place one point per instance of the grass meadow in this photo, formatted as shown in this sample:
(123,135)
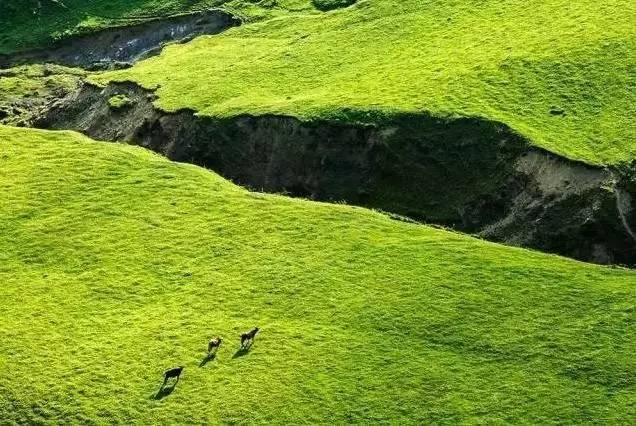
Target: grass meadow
(116,264)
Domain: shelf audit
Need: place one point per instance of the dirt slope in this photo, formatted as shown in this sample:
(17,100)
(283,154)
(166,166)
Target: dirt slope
(470,174)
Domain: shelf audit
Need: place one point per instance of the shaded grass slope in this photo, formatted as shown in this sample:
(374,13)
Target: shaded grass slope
(35,24)
(117,264)
(560,73)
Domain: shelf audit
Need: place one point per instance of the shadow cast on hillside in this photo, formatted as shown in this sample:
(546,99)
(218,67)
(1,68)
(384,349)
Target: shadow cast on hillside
(163,392)
(208,358)
(243,350)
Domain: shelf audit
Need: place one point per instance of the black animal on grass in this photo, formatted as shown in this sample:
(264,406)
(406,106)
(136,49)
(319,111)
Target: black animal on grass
(213,345)
(248,337)
(172,374)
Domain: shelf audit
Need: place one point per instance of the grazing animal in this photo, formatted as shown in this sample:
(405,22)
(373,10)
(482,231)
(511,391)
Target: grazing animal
(214,344)
(249,336)
(172,373)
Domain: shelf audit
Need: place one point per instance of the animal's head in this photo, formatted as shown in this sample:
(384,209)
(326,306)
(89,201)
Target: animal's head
(256,329)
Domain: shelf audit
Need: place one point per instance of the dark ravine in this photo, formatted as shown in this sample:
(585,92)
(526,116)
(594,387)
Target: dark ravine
(470,174)
(122,46)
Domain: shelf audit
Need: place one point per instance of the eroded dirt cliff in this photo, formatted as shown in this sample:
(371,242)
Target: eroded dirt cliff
(469,174)
(122,46)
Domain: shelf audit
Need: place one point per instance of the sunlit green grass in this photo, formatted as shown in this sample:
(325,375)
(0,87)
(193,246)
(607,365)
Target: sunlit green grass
(116,264)
(559,72)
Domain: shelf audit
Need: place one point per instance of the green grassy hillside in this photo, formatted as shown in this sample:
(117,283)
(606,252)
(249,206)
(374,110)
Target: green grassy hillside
(116,264)
(560,73)
(58,19)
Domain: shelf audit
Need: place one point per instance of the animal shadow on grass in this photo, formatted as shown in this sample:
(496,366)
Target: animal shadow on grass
(208,358)
(242,351)
(163,392)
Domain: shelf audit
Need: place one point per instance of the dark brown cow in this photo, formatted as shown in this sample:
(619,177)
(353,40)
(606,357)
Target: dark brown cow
(171,374)
(248,337)
(213,345)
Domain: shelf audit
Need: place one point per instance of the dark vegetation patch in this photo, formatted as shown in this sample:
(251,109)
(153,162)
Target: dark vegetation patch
(469,174)
(327,5)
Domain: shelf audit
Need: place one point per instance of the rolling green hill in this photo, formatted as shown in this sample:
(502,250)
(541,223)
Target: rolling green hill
(117,264)
(560,73)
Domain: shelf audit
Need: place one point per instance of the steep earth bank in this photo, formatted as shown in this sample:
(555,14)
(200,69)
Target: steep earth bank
(470,174)
(26,90)
(120,47)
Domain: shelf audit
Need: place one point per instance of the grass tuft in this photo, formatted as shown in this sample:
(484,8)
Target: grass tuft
(119,102)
